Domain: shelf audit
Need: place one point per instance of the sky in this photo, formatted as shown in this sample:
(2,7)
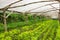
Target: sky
(4,3)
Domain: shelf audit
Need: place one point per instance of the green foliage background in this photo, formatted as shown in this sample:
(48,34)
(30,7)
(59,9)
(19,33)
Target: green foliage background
(30,27)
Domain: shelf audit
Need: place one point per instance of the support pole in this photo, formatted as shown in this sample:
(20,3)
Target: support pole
(4,20)
(59,12)
(59,15)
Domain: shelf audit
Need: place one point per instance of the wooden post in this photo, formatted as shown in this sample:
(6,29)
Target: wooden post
(4,20)
(59,11)
(59,15)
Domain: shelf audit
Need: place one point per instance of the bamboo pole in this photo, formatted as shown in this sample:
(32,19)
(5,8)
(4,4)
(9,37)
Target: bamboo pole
(4,20)
(59,11)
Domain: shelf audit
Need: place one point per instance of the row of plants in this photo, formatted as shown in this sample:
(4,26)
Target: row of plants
(18,20)
(15,17)
(43,31)
(58,32)
(18,25)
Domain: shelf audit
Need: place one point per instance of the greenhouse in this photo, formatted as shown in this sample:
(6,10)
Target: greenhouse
(29,20)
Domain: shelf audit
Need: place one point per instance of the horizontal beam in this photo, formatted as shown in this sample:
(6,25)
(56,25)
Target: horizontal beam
(44,12)
(42,6)
(28,4)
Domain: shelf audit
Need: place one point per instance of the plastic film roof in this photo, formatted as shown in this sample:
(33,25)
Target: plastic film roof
(36,7)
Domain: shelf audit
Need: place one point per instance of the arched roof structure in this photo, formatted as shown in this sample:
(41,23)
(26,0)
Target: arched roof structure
(32,6)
